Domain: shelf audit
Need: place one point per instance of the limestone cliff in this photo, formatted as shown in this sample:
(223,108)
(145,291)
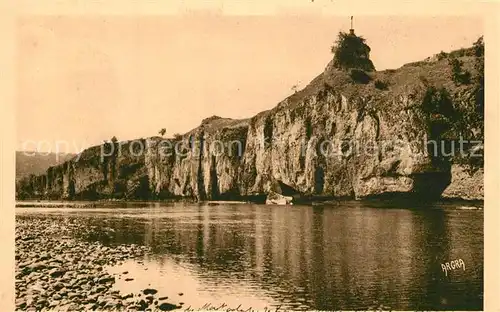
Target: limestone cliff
(203,164)
(335,138)
(465,184)
(92,176)
(37,163)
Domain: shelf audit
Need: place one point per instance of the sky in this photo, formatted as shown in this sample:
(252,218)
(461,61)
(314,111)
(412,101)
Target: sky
(83,79)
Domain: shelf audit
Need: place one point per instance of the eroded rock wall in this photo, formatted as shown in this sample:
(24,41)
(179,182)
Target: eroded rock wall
(119,174)
(334,138)
(465,184)
(336,144)
(202,164)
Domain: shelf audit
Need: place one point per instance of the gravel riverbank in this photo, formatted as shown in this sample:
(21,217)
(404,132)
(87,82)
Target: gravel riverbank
(57,271)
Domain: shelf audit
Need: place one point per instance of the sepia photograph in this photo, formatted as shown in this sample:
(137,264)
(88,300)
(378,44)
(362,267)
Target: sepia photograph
(299,160)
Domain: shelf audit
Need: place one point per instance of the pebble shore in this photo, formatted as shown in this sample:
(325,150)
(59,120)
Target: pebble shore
(57,271)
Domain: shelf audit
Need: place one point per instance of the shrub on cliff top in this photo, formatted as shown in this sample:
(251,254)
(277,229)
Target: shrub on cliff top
(437,101)
(478,47)
(442,55)
(439,111)
(459,76)
(351,51)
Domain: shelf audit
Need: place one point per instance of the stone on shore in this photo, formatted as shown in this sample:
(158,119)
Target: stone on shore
(57,270)
(278,199)
(149,291)
(168,307)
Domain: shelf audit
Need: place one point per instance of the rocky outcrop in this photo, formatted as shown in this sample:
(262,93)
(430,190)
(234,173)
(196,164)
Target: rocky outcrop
(37,163)
(334,138)
(318,146)
(109,170)
(203,164)
(274,198)
(465,184)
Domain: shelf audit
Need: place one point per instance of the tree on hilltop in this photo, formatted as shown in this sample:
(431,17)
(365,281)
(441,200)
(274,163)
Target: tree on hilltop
(351,51)
(479,47)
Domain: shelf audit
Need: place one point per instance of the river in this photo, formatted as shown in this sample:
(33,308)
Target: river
(347,256)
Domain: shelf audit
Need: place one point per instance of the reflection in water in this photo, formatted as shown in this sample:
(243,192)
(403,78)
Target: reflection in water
(309,257)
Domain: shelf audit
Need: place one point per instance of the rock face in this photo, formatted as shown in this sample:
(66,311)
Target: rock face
(465,184)
(37,163)
(334,138)
(100,171)
(203,164)
(317,147)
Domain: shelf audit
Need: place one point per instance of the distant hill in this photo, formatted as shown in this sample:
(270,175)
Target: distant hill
(37,163)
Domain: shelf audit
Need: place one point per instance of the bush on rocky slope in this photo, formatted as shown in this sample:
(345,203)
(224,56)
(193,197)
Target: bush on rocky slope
(351,51)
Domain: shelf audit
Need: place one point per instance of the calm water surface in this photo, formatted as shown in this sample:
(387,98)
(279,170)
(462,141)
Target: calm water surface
(349,256)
